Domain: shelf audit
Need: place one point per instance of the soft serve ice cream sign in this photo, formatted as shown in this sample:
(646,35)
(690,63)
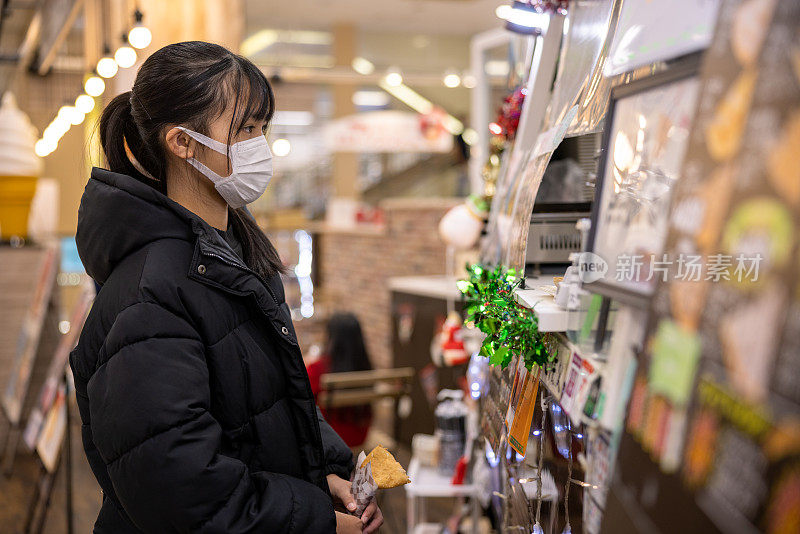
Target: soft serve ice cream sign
(20,168)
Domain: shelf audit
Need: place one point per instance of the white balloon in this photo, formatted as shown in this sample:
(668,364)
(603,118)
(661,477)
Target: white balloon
(460,227)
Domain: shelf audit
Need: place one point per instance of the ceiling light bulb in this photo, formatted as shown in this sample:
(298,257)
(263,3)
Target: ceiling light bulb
(107,67)
(50,133)
(62,123)
(496,67)
(140,37)
(84,103)
(41,148)
(503,11)
(75,116)
(470,136)
(376,99)
(292,118)
(281,147)
(125,56)
(50,145)
(527,19)
(64,112)
(452,80)
(394,78)
(469,81)
(363,66)
(95,86)
(58,128)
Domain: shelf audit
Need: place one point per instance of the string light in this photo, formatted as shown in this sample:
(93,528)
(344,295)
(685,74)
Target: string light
(84,103)
(140,36)
(64,112)
(125,56)
(52,133)
(70,115)
(76,116)
(95,86)
(44,147)
(107,67)
(61,125)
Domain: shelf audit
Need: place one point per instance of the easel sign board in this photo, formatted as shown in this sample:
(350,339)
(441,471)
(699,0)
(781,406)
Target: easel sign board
(55,372)
(48,444)
(28,342)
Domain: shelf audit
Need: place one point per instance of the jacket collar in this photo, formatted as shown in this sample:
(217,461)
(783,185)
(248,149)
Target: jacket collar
(119,214)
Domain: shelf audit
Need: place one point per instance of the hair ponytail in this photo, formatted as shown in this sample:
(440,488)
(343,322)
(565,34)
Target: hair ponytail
(118,129)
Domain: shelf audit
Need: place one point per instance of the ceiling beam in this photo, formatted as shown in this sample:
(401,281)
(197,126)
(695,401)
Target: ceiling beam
(58,19)
(346,75)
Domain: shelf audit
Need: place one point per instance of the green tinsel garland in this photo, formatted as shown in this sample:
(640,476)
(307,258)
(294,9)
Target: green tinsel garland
(509,327)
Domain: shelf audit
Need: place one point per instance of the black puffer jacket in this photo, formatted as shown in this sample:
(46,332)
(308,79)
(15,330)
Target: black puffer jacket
(196,407)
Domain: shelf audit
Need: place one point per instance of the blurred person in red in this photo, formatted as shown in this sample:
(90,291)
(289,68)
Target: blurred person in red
(344,352)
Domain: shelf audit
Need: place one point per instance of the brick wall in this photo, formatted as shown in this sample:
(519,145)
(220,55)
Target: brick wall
(356,264)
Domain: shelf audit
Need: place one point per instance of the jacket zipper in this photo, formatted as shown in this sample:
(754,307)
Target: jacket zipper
(315,421)
(245,268)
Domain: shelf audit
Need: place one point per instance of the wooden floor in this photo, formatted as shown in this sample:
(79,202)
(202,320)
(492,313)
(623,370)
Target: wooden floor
(18,490)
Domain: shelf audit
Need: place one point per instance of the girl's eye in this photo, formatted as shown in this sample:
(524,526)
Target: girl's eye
(249,129)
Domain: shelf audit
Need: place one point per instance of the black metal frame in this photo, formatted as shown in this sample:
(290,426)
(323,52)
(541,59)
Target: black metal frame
(687,67)
(42,497)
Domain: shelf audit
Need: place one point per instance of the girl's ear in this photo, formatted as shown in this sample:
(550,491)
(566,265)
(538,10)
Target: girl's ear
(179,143)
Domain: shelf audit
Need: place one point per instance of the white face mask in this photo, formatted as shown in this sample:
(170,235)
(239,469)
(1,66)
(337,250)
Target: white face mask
(251,162)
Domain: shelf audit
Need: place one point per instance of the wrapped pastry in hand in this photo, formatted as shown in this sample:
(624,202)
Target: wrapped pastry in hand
(386,471)
(378,469)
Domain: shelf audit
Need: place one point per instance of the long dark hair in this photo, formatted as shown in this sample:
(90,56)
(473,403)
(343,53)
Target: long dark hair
(189,83)
(346,348)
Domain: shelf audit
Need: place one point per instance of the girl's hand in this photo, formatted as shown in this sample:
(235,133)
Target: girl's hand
(372,518)
(340,491)
(347,524)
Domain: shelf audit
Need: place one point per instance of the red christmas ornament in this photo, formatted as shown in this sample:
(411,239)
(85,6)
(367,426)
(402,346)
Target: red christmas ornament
(509,114)
(432,124)
(553,6)
(453,352)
